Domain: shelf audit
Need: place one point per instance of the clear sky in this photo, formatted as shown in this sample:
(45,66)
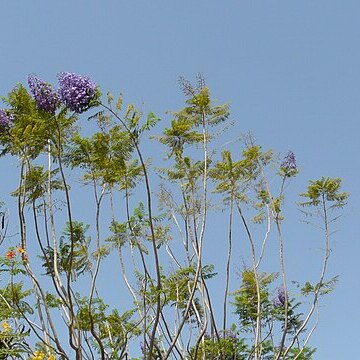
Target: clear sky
(290,69)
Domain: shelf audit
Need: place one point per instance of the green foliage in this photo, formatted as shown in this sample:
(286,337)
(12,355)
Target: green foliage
(90,314)
(325,189)
(297,353)
(53,301)
(200,112)
(35,183)
(234,177)
(118,329)
(171,311)
(114,329)
(30,131)
(73,254)
(13,342)
(224,348)
(179,135)
(323,288)
(12,303)
(106,157)
(119,234)
(177,286)
(32,128)
(247,298)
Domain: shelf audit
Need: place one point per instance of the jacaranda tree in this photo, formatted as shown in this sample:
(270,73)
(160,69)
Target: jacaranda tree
(151,220)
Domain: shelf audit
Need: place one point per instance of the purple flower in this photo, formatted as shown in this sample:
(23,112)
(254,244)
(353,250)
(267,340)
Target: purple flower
(76,91)
(228,334)
(6,119)
(289,163)
(279,300)
(46,98)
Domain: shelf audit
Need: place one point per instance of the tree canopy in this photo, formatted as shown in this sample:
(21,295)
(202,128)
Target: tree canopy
(152,220)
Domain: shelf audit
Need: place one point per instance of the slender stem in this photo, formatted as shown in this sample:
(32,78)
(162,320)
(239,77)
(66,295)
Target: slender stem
(200,243)
(227,280)
(152,231)
(71,326)
(258,342)
(321,279)
(97,267)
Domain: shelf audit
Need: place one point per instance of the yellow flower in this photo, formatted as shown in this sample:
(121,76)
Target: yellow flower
(38,355)
(52,357)
(6,326)
(21,250)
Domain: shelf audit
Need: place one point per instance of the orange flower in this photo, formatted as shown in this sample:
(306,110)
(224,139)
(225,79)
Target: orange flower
(10,254)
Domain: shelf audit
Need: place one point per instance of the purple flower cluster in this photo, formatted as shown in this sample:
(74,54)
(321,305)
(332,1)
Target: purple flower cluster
(279,300)
(289,162)
(76,91)
(46,97)
(228,334)
(6,119)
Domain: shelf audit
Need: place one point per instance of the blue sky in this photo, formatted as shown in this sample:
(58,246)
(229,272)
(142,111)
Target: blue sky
(290,70)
